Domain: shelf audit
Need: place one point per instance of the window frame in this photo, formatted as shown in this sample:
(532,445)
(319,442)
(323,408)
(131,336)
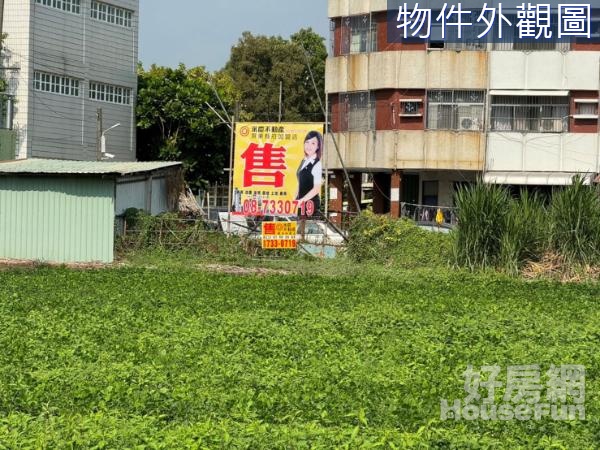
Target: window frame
(366,35)
(529,114)
(52,83)
(452,105)
(68,6)
(111,14)
(110,93)
(354,105)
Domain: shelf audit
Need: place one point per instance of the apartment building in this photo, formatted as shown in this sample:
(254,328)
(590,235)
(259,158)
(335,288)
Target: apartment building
(69,63)
(422,118)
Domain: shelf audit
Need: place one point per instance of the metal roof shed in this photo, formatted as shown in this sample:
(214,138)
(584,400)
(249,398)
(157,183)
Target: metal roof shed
(64,211)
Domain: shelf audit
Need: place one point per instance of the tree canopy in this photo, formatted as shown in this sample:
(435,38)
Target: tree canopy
(260,64)
(175,123)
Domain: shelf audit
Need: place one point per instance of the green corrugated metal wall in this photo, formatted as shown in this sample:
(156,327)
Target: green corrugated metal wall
(57,219)
(8,145)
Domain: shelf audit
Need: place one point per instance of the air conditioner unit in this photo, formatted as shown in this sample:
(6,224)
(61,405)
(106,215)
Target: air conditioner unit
(468,123)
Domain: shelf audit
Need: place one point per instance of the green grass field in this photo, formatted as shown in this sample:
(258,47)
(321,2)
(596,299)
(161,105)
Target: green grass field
(180,358)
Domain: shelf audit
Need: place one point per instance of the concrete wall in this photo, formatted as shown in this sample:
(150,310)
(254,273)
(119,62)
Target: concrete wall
(338,8)
(407,149)
(579,70)
(538,152)
(446,69)
(433,69)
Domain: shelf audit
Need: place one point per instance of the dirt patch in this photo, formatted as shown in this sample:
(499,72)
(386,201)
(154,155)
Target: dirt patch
(241,271)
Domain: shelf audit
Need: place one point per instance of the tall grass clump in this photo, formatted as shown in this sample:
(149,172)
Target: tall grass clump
(575,223)
(482,215)
(525,235)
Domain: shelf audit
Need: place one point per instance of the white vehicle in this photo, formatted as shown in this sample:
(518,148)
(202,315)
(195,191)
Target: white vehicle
(233,224)
(321,233)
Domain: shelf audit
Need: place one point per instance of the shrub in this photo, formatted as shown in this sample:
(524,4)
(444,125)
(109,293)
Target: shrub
(396,241)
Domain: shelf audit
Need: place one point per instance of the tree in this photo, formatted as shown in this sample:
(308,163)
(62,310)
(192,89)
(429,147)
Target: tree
(314,54)
(257,66)
(174,122)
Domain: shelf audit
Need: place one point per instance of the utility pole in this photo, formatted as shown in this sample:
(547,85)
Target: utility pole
(99,134)
(1,19)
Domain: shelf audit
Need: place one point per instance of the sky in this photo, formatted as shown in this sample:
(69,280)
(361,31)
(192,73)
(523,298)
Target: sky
(202,32)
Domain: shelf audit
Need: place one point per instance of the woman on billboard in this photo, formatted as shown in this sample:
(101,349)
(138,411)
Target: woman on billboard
(310,175)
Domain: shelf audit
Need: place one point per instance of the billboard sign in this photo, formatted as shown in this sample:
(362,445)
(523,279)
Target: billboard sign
(279,235)
(278,169)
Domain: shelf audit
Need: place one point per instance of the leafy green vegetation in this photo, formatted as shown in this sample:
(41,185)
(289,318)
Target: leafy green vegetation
(174,123)
(398,242)
(259,65)
(134,358)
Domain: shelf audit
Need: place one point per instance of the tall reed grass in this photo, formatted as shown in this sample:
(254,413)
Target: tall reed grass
(498,231)
(525,235)
(575,223)
(482,215)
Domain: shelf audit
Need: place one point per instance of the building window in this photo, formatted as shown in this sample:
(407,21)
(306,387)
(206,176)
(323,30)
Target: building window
(586,108)
(469,39)
(72,6)
(513,42)
(539,114)
(360,111)
(359,34)
(108,93)
(528,45)
(455,110)
(111,14)
(410,108)
(55,84)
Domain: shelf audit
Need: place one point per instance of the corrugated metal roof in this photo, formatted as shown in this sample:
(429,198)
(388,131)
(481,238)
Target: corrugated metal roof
(63,167)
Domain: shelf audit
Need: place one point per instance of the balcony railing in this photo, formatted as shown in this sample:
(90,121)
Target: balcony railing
(430,215)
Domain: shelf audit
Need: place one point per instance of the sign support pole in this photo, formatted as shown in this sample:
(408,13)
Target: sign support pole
(230,190)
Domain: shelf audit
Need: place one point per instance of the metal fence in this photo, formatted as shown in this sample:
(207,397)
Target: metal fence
(213,197)
(428,215)
(224,237)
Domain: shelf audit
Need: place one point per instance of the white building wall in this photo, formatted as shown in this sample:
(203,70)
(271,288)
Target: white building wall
(81,47)
(17,54)
(548,70)
(539,152)
(338,8)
